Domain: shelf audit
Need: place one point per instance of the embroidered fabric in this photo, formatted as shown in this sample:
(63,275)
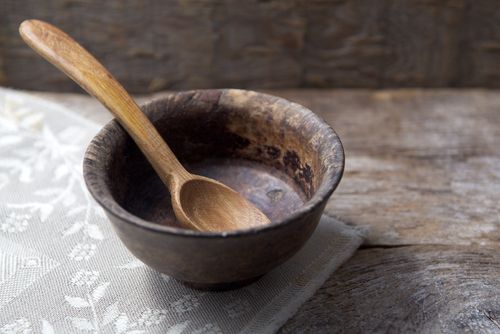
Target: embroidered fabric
(63,269)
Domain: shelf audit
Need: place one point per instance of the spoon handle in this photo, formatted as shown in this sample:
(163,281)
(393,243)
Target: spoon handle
(70,57)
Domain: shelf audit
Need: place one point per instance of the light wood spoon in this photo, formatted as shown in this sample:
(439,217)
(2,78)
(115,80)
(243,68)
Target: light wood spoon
(199,203)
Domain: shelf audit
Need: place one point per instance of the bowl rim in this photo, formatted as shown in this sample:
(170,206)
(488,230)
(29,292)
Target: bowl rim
(329,183)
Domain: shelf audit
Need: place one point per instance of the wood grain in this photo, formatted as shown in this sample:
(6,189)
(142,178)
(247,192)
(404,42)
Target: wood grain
(152,45)
(421,165)
(416,289)
(71,58)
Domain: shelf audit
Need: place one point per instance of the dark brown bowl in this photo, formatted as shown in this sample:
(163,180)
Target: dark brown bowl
(278,154)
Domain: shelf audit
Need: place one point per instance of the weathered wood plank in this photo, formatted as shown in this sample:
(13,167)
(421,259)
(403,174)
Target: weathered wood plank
(420,289)
(421,165)
(151,45)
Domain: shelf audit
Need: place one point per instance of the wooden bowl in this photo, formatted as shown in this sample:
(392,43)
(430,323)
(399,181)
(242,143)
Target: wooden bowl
(278,154)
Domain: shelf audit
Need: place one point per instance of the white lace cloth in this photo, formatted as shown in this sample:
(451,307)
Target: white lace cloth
(63,270)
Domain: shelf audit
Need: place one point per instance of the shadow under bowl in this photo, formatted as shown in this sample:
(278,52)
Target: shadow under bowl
(276,153)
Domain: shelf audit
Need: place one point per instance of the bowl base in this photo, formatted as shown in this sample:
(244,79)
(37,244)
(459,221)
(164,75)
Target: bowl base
(221,286)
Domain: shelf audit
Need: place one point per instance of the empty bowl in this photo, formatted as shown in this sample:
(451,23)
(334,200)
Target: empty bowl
(278,154)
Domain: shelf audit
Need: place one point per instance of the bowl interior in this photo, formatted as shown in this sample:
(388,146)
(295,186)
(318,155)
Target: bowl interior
(269,189)
(261,147)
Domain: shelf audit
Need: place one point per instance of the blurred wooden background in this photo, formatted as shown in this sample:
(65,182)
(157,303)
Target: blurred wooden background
(153,45)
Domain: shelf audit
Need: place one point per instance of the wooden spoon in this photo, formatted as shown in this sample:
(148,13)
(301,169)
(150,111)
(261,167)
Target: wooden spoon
(199,203)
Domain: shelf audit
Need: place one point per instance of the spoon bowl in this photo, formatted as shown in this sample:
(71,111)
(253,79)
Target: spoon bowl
(212,206)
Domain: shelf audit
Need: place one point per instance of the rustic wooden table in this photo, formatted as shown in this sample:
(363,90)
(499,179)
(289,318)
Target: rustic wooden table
(423,174)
